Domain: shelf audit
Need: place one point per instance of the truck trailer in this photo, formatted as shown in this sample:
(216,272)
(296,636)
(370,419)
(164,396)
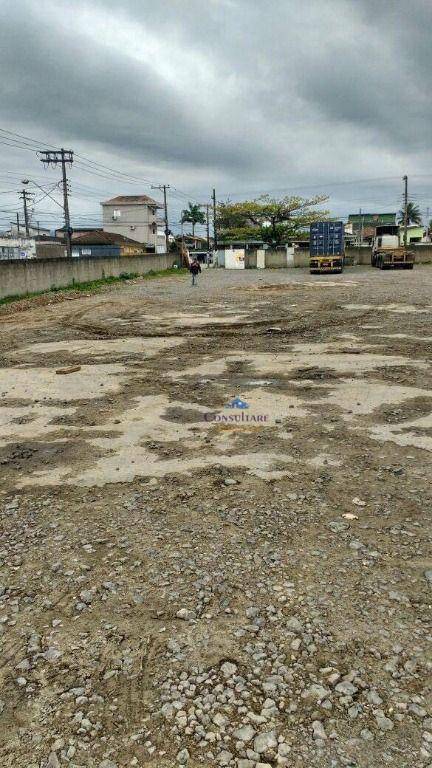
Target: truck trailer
(387,250)
(326,247)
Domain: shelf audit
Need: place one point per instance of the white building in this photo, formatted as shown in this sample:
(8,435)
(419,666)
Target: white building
(17,248)
(133,216)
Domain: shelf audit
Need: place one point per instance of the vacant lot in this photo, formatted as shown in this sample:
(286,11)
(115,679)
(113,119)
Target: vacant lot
(187,583)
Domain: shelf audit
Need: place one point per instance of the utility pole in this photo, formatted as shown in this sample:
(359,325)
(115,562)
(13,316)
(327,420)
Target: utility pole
(26,197)
(405,237)
(18,225)
(54,157)
(207,207)
(163,188)
(361,227)
(208,225)
(214,221)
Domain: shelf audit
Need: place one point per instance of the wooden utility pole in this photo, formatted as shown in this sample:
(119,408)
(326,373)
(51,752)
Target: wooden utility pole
(214,221)
(54,157)
(18,225)
(405,236)
(163,188)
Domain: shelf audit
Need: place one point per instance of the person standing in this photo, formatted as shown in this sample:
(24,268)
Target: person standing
(195,269)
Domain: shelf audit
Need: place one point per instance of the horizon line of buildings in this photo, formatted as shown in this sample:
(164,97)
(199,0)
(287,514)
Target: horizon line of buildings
(131,225)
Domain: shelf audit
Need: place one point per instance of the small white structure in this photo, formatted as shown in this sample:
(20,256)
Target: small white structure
(17,248)
(260,258)
(231,258)
(290,255)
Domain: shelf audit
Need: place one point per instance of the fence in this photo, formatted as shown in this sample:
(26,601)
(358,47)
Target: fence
(18,278)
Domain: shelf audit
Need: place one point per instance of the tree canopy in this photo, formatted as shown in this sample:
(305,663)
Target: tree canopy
(269,219)
(413,214)
(193,215)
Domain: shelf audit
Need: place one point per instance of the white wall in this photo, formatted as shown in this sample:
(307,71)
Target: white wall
(231,258)
(135,221)
(17,248)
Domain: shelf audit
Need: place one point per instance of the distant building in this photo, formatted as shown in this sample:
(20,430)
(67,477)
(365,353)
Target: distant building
(133,216)
(76,232)
(100,243)
(364,224)
(17,248)
(192,242)
(34,231)
(415,233)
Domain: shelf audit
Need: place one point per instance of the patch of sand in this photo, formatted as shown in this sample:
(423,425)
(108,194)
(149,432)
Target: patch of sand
(401,309)
(186,320)
(89,382)
(34,421)
(99,347)
(324,460)
(407,433)
(116,470)
(403,336)
(357,397)
(284,363)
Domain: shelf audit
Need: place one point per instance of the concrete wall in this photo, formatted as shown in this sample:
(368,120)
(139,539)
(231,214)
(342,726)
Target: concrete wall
(423,252)
(51,250)
(275,259)
(20,277)
(301,258)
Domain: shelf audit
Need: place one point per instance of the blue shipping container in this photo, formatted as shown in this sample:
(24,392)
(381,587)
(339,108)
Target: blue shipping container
(326,238)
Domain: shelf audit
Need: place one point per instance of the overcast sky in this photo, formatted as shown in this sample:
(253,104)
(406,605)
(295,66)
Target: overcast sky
(249,96)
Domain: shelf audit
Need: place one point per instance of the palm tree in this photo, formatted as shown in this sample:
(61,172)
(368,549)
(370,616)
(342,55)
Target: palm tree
(413,214)
(193,215)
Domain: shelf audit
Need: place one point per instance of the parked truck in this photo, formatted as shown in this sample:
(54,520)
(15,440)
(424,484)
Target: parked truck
(327,247)
(387,250)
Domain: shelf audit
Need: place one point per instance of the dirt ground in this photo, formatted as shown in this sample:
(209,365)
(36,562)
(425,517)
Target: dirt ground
(215,533)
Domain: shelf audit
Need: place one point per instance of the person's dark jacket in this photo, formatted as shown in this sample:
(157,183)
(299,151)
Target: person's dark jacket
(195,267)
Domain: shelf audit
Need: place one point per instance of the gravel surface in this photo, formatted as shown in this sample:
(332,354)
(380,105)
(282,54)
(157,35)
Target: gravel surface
(184,583)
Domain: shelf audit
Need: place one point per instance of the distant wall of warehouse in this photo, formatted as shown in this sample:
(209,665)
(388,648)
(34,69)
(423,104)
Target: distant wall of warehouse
(51,250)
(19,277)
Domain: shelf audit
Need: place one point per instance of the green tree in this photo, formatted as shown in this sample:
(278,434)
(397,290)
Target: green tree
(413,214)
(193,215)
(268,219)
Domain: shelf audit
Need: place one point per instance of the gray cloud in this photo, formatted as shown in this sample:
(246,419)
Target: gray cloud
(239,93)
